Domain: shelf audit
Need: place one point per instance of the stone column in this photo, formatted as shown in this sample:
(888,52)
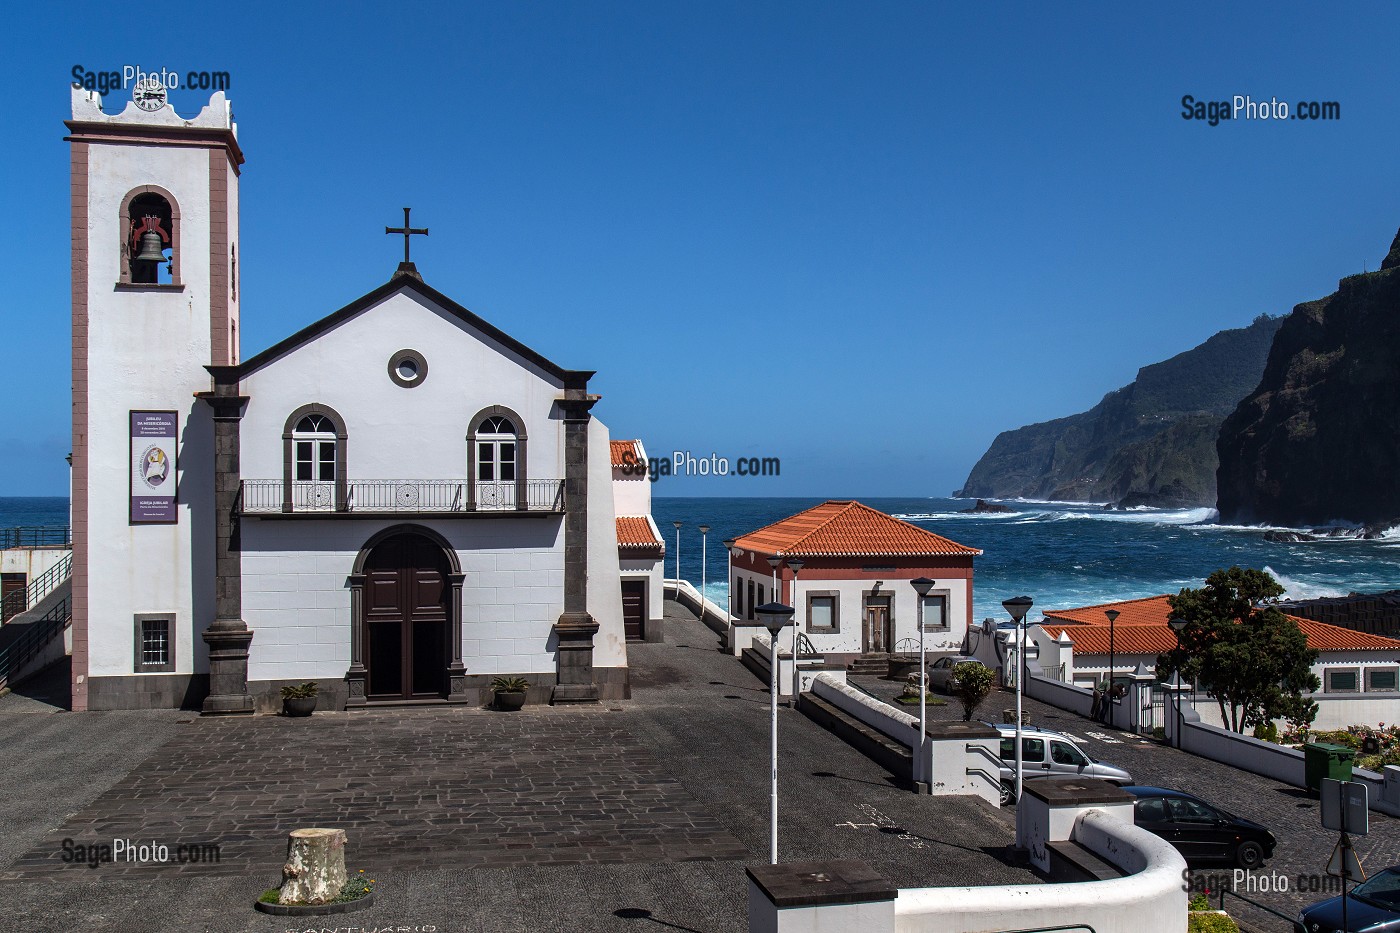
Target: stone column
(456,671)
(356,676)
(228,636)
(576,628)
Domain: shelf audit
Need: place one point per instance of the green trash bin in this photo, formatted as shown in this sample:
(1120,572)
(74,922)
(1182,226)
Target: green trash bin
(1323,760)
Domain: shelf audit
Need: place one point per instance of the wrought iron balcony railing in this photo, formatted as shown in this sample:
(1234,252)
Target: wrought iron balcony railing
(411,496)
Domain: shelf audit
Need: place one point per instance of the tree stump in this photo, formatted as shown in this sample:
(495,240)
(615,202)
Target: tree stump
(315,869)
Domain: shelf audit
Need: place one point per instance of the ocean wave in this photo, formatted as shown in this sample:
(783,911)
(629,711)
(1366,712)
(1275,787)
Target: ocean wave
(936,516)
(1298,589)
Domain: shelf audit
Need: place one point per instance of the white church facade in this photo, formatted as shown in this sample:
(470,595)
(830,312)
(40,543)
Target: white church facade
(400,501)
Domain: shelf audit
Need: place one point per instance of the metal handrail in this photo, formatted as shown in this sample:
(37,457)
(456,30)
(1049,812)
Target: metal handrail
(804,645)
(1263,907)
(38,634)
(40,587)
(36,536)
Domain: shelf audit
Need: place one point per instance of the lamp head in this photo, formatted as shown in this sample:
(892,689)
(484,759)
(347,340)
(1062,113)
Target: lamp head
(1018,607)
(774,561)
(1112,615)
(1178,624)
(678,525)
(704,529)
(922,585)
(774,616)
(796,565)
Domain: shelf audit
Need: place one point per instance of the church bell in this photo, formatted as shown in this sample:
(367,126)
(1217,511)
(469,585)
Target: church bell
(150,248)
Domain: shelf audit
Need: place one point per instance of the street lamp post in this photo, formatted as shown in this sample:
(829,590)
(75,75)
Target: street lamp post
(678,557)
(774,616)
(922,585)
(1112,658)
(795,565)
(729,574)
(704,560)
(1018,607)
(1178,625)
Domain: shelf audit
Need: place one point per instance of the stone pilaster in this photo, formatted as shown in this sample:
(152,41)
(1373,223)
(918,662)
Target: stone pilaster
(576,628)
(228,636)
(356,677)
(456,671)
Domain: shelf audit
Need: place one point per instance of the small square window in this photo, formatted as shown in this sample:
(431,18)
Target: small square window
(1382,680)
(936,613)
(155,643)
(824,612)
(1343,681)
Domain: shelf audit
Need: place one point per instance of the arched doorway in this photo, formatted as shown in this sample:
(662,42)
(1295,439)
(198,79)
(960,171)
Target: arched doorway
(407,611)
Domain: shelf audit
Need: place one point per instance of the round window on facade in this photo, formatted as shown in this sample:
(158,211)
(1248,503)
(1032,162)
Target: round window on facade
(408,368)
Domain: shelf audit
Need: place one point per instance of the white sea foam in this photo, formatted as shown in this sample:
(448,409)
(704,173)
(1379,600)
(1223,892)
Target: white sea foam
(1298,589)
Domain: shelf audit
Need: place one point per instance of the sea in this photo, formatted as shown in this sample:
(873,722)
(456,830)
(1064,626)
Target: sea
(1062,555)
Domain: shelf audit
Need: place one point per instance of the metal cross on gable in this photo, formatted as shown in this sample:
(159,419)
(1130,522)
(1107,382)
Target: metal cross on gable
(407,232)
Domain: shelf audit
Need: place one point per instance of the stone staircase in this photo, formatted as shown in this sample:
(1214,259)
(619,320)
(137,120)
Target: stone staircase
(875,664)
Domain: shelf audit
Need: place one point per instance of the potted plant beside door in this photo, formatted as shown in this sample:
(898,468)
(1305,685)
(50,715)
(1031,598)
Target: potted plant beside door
(510,692)
(299,699)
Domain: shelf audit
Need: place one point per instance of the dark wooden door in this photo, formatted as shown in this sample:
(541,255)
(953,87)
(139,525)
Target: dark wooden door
(406,619)
(12,589)
(634,609)
(877,624)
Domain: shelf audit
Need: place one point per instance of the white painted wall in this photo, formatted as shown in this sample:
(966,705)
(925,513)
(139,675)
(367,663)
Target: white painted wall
(604,591)
(904,607)
(649,570)
(33,562)
(406,433)
(296,594)
(147,350)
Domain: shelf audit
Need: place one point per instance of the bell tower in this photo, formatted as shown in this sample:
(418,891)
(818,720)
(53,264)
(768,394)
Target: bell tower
(155,304)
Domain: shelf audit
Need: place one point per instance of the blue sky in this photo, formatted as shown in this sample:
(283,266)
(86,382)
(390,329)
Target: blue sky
(862,237)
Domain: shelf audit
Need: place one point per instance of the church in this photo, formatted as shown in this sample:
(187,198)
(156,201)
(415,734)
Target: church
(400,501)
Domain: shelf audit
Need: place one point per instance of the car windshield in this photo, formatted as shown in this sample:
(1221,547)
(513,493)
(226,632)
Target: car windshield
(1382,890)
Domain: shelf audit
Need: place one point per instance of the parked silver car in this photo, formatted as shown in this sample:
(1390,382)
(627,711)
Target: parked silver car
(942,672)
(1046,754)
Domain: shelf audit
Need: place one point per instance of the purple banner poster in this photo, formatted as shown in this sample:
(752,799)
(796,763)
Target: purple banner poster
(153,449)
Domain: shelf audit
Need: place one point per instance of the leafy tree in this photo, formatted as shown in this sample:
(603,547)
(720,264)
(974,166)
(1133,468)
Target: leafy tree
(970,683)
(1248,655)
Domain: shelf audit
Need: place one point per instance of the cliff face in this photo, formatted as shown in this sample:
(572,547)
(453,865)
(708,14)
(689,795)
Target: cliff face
(1149,443)
(1319,440)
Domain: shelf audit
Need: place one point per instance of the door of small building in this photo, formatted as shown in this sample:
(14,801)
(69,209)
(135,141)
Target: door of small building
(12,590)
(406,599)
(877,634)
(634,614)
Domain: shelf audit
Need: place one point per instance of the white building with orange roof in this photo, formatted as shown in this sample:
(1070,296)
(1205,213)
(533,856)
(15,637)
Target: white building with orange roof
(1360,672)
(851,590)
(640,549)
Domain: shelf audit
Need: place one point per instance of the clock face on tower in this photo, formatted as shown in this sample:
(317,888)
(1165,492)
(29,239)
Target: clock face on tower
(149,94)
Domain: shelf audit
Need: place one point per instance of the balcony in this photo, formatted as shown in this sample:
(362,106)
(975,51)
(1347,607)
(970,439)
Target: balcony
(380,497)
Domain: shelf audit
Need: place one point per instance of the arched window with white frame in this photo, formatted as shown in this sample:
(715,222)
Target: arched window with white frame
(314,443)
(496,460)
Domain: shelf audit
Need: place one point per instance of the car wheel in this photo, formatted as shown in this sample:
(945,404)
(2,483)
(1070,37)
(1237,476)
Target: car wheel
(1008,793)
(1249,855)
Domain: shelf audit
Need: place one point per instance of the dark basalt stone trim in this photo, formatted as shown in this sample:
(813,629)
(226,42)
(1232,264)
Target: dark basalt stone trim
(807,884)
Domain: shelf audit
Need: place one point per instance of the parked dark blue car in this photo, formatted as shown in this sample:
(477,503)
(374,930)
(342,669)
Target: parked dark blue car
(1373,906)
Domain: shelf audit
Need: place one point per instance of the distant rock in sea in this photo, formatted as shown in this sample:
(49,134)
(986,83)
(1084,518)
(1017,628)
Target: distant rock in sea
(983,506)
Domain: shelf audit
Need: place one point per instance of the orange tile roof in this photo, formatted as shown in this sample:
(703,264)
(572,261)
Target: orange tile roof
(845,528)
(621,449)
(1153,612)
(1127,639)
(636,531)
